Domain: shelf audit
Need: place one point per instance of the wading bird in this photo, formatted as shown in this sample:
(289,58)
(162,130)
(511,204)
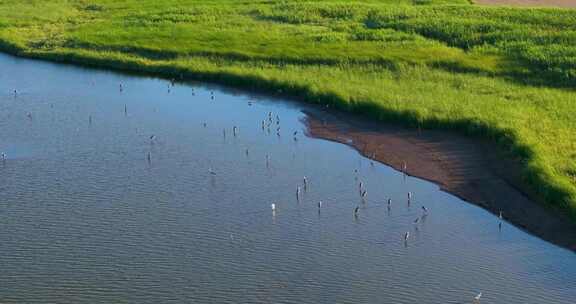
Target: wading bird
(356,211)
(406,236)
(477,298)
(3,157)
(298,193)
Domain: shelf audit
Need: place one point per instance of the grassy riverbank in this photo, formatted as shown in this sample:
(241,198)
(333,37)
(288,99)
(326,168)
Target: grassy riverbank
(501,73)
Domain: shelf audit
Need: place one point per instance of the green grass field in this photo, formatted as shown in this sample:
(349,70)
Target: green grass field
(506,74)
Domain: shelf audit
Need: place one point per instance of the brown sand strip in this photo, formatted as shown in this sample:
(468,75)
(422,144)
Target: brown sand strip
(529,3)
(468,168)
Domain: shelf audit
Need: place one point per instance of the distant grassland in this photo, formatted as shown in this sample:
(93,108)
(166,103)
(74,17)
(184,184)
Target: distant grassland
(500,73)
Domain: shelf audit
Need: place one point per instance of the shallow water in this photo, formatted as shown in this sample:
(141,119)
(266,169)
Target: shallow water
(86,218)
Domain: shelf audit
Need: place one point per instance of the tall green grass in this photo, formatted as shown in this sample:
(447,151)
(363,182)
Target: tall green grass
(498,73)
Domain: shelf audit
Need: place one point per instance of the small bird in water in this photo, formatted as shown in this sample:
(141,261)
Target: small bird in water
(211,171)
(319,204)
(305,183)
(406,236)
(3,157)
(389,203)
(363,195)
(149,157)
(416,221)
(477,298)
(121,88)
(356,211)
(273,206)
(298,193)
(425,210)
(235,131)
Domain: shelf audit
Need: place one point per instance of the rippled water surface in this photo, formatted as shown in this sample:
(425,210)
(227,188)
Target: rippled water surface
(85,217)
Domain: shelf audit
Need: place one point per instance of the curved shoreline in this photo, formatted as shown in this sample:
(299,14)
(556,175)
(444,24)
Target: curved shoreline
(468,168)
(551,225)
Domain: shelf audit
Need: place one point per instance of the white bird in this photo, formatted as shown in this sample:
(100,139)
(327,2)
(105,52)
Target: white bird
(152,137)
(319,204)
(298,193)
(409,196)
(477,298)
(500,215)
(273,206)
(305,183)
(211,171)
(425,210)
(3,156)
(406,235)
(235,130)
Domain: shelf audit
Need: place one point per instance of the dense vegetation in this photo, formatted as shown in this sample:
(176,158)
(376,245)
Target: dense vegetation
(506,74)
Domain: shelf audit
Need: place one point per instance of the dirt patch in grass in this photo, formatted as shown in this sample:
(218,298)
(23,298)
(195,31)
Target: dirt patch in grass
(529,3)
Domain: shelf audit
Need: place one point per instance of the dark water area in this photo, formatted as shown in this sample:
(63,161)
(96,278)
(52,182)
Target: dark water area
(92,210)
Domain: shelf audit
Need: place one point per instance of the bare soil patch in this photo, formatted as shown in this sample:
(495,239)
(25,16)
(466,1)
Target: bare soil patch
(529,3)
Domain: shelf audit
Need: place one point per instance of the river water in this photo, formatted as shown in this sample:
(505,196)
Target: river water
(143,194)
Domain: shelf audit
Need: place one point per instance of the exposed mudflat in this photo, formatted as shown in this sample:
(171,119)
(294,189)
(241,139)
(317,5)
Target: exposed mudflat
(469,168)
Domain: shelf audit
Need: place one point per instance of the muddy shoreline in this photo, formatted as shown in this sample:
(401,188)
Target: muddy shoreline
(469,168)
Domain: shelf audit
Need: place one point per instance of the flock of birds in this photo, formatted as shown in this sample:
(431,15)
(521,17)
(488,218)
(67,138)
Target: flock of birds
(273,123)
